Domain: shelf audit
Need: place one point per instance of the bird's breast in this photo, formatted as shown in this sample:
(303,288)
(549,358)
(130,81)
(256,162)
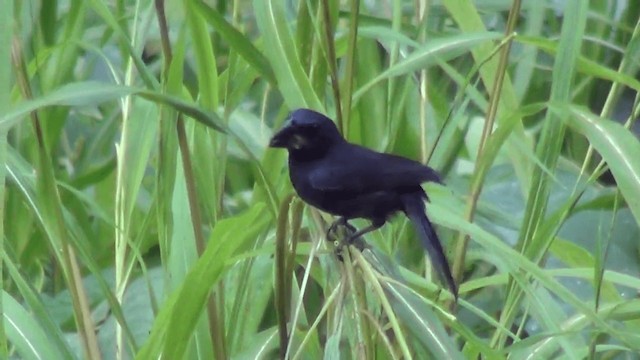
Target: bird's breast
(299,174)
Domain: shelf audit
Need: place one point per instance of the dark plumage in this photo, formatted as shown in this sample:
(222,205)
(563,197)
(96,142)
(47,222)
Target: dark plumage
(352,181)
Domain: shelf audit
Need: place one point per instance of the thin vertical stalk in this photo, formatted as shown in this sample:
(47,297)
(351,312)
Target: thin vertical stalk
(548,151)
(422,11)
(394,54)
(358,293)
(121,217)
(281,301)
(476,187)
(6,32)
(215,325)
(350,66)
(331,58)
(49,199)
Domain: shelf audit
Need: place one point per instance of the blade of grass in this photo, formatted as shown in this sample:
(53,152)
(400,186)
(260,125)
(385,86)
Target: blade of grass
(369,273)
(469,20)
(238,41)
(29,338)
(350,70)
(133,149)
(429,54)
(216,324)
(495,97)
(584,65)
(206,70)
(281,51)
(6,33)
(392,84)
(522,268)
(548,149)
(412,309)
(100,7)
(618,147)
(49,198)
(38,309)
(22,174)
(174,324)
(329,26)
(281,301)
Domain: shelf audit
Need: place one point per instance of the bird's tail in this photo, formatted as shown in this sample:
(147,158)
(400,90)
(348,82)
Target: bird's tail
(415,210)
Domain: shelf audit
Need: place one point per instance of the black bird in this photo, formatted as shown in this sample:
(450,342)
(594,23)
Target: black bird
(351,181)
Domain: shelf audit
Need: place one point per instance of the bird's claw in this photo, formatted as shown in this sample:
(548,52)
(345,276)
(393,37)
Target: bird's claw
(333,228)
(341,245)
(345,237)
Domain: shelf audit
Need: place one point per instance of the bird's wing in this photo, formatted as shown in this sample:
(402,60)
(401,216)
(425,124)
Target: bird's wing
(362,170)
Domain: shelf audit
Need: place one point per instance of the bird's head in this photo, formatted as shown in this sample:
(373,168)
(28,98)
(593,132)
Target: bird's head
(306,131)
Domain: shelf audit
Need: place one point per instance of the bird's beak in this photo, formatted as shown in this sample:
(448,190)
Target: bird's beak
(288,137)
(282,138)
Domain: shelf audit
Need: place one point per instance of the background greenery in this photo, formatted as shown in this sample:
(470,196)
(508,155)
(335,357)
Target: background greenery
(144,216)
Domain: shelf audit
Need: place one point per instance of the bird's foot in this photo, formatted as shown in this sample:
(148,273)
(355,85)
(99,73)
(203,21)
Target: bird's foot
(334,227)
(341,246)
(345,234)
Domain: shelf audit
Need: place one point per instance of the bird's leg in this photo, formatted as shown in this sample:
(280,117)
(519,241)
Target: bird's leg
(341,221)
(373,227)
(341,237)
(356,238)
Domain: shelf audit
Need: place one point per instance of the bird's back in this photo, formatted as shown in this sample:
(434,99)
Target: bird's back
(356,168)
(354,181)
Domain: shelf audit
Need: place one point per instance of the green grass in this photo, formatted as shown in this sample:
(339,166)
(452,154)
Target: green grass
(144,216)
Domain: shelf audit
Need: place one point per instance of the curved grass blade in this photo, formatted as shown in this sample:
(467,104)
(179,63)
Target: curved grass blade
(238,41)
(429,54)
(618,147)
(281,51)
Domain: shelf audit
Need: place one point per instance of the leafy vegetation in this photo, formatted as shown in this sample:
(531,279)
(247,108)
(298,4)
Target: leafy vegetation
(144,216)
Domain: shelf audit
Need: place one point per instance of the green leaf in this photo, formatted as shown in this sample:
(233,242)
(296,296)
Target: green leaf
(207,118)
(44,320)
(618,147)
(430,54)
(577,257)
(585,65)
(177,319)
(236,40)
(414,312)
(381,33)
(280,48)
(84,93)
(521,268)
(24,332)
(90,93)
(206,71)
